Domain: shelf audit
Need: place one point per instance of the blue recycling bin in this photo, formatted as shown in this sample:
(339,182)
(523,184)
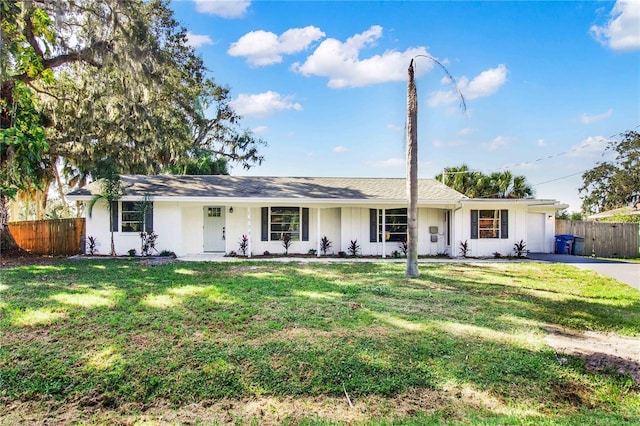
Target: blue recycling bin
(564,244)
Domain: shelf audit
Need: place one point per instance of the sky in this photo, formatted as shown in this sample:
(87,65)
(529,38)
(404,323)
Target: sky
(547,84)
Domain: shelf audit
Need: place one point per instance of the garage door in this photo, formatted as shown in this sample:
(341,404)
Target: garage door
(535,232)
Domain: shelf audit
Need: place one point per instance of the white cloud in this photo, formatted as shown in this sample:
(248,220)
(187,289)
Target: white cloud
(394,127)
(340,62)
(541,143)
(622,31)
(589,119)
(385,164)
(197,40)
(484,84)
(223,8)
(591,147)
(260,129)
(466,131)
(266,48)
(263,104)
(497,143)
(340,148)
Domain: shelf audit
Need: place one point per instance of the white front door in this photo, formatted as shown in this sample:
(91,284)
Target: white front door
(535,232)
(214,229)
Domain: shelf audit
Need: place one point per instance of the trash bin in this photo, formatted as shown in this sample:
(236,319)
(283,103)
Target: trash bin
(578,246)
(564,244)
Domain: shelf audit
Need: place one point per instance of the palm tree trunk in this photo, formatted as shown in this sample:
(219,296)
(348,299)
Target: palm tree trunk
(412,176)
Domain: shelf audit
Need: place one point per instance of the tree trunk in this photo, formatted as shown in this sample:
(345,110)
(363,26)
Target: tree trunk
(8,245)
(113,245)
(65,206)
(412,176)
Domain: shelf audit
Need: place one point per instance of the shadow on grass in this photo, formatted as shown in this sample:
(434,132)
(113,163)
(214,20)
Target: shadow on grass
(202,331)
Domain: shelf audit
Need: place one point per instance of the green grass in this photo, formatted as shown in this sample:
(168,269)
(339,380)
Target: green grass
(462,344)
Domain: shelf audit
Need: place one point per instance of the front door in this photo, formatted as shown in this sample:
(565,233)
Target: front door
(214,229)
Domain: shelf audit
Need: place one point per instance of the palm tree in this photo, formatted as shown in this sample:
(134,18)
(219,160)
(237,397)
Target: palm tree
(412,165)
(462,179)
(505,185)
(475,184)
(520,188)
(112,191)
(412,175)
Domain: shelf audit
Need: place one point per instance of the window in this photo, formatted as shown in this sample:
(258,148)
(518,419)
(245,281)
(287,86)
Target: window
(284,220)
(395,225)
(489,224)
(214,211)
(132,216)
(279,221)
(132,219)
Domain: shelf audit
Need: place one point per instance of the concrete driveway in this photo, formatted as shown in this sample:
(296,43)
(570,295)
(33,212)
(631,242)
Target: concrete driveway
(626,272)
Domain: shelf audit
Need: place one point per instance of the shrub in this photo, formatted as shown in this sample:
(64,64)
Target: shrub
(465,250)
(325,245)
(286,243)
(403,246)
(244,245)
(520,249)
(342,254)
(497,255)
(148,243)
(167,253)
(354,248)
(92,245)
(132,252)
(266,253)
(312,252)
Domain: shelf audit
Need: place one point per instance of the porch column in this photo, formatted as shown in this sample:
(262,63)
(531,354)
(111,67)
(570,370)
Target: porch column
(384,233)
(249,228)
(318,236)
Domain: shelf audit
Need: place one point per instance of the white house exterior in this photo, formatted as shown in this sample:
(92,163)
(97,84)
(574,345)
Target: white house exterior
(211,214)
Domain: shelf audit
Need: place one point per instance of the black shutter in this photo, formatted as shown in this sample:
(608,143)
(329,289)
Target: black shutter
(265,224)
(373,225)
(474,224)
(148,217)
(114,216)
(305,224)
(504,224)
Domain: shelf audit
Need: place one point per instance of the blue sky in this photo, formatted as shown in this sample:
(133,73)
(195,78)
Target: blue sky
(324,83)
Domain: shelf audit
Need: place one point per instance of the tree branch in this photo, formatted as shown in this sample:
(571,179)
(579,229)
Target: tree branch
(43,91)
(31,38)
(85,55)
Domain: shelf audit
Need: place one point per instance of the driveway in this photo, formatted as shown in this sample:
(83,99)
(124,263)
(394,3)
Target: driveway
(626,272)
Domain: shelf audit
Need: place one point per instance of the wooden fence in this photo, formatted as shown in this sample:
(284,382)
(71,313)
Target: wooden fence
(59,237)
(603,239)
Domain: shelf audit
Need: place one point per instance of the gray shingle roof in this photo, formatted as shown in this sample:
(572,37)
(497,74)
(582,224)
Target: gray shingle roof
(330,188)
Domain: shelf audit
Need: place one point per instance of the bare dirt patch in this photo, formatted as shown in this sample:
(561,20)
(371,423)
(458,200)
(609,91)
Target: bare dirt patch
(27,259)
(600,351)
(265,410)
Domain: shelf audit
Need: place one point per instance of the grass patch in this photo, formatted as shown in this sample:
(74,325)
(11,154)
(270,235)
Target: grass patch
(462,344)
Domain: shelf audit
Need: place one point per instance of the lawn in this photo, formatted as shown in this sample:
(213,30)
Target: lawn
(114,341)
